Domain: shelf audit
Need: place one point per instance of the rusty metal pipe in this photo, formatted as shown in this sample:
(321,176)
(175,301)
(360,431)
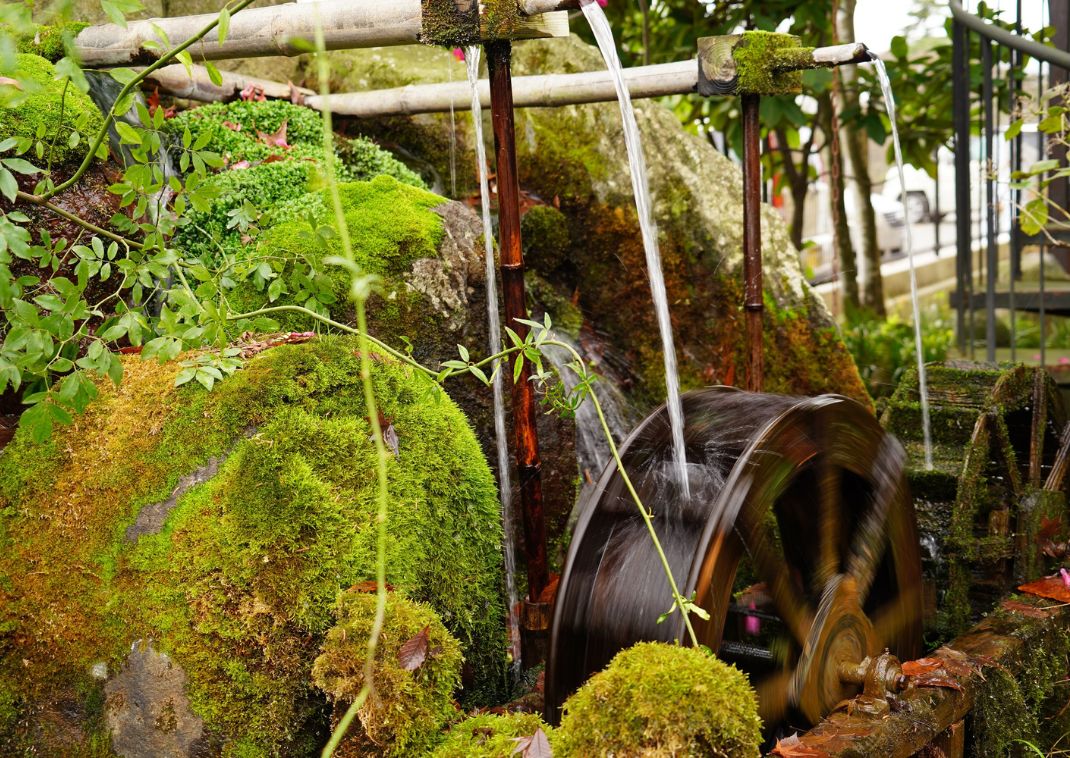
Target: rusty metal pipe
(525,434)
(752,240)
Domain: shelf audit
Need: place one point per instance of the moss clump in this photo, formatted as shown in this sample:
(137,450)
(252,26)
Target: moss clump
(48,110)
(757,56)
(390,224)
(661,700)
(238,584)
(48,41)
(410,707)
(490,735)
(544,230)
(445,25)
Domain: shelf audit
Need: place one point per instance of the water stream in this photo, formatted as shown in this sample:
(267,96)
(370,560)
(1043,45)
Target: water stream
(641,187)
(923,386)
(494,332)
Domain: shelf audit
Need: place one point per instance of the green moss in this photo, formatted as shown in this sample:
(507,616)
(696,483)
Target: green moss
(500,18)
(564,314)
(239,584)
(490,735)
(48,110)
(757,55)
(444,25)
(9,713)
(545,233)
(48,41)
(410,707)
(304,126)
(660,700)
(390,224)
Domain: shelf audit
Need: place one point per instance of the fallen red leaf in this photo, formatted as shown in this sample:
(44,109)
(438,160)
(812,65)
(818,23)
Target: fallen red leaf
(232,126)
(370,587)
(414,652)
(1024,609)
(274,158)
(276,138)
(297,97)
(922,666)
(8,81)
(253,93)
(793,747)
(936,680)
(535,746)
(1051,587)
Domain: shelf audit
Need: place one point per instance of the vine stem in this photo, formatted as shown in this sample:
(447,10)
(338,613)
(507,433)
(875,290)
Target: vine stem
(679,601)
(110,116)
(41,201)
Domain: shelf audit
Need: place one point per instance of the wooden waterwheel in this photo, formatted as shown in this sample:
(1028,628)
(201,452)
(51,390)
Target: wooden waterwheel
(798,538)
(994,503)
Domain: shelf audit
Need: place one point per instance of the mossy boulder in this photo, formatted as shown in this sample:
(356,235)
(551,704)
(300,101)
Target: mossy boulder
(657,700)
(417,669)
(44,109)
(574,158)
(490,735)
(221,526)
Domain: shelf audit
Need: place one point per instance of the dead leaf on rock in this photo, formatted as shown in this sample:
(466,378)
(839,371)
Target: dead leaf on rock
(793,747)
(535,746)
(922,666)
(414,652)
(1051,587)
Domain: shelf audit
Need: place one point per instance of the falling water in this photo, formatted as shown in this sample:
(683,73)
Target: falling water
(494,331)
(923,386)
(453,136)
(641,187)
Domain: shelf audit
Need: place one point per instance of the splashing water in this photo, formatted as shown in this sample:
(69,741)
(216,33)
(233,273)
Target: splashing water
(641,187)
(494,331)
(923,386)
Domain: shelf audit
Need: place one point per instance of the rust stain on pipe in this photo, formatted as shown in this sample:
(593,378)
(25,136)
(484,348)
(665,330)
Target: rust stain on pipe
(525,434)
(752,240)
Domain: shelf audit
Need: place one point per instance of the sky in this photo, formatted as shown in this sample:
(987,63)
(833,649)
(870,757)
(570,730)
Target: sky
(877,21)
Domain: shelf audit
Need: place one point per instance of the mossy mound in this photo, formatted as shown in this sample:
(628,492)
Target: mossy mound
(46,109)
(490,735)
(274,153)
(657,700)
(411,705)
(222,525)
(576,156)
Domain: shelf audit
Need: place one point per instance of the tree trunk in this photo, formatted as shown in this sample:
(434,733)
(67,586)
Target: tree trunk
(857,142)
(841,234)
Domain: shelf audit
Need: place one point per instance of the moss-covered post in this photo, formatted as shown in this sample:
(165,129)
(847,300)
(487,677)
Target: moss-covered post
(751,65)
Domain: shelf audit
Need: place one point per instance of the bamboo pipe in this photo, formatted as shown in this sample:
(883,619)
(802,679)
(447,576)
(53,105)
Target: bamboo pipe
(196,84)
(285,29)
(752,240)
(549,90)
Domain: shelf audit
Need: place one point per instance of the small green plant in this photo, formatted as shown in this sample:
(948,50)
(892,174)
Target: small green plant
(884,348)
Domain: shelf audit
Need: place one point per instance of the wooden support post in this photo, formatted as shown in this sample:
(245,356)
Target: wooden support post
(526,450)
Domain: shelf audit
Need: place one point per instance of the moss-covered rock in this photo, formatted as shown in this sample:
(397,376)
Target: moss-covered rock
(490,735)
(411,705)
(45,109)
(222,525)
(657,700)
(576,155)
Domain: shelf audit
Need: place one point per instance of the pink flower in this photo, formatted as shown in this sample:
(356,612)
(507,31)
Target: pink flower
(1066,577)
(752,624)
(603,3)
(458,53)
(1064,360)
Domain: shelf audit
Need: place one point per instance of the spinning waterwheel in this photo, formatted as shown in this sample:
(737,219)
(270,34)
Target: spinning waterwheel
(798,538)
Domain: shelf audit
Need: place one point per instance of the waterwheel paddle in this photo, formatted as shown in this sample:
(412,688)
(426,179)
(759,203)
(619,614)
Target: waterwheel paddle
(799,539)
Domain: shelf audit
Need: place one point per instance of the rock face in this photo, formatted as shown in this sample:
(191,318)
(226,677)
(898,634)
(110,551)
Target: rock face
(574,158)
(222,526)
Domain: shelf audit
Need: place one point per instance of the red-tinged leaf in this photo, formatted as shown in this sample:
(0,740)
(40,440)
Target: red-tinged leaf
(274,158)
(793,747)
(922,666)
(239,165)
(153,100)
(9,82)
(414,652)
(937,680)
(1051,587)
(276,138)
(232,126)
(130,349)
(370,587)
(1024,609)
(535,746)
(297,97)
(252,93)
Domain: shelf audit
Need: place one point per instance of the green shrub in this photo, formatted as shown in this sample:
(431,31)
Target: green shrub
(490,735)
(47,114)
(406,714)
(658,700)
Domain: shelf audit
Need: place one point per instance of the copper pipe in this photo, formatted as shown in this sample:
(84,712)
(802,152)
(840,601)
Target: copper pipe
(525,433)
(752,240)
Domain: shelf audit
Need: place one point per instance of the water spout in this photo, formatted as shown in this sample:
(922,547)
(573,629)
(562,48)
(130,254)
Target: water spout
(641,187)
(923,386)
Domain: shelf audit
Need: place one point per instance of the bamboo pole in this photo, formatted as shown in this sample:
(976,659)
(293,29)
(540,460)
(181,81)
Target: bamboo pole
(549,90)
(285,29)
(196,84)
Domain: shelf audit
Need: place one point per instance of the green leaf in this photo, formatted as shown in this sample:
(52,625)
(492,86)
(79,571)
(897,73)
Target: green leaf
(127,133)
(8,186)
(1034,216)
(224,25)
(20,165)
(899,47)
(213,73)
(463,352)
(123,75)
(1014,129)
